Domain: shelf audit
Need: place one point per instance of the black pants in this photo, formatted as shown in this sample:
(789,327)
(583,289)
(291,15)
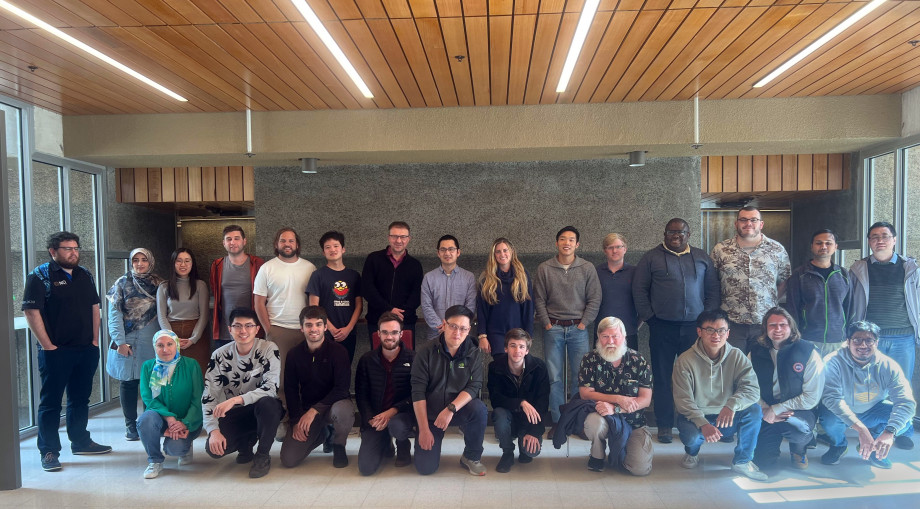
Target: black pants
(744,335)
(127,394)
(72,370)
(243,426)
(666,341)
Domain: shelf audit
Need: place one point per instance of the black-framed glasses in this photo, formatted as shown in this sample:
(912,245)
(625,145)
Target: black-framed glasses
(720,331)
(751,220)
(240,326)
(863,341)
(676,232)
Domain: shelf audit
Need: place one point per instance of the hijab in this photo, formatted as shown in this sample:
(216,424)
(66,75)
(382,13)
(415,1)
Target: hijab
(163,370)
(134,294)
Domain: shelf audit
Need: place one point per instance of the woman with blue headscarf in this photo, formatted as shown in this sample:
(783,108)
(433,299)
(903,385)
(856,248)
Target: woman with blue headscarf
(132,319)
(171,387)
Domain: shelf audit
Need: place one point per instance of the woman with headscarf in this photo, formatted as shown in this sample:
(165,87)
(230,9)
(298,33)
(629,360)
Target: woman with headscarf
(171,388)
(182,307)
(132,320)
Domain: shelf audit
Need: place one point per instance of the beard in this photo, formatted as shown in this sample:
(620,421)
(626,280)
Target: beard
(389,346)
(613,353)
(68,264)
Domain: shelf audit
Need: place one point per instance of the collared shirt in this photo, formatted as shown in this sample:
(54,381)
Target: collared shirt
(441,290)
(749,280)
(626,379)
(393,259)
(892,261)
(685,251)
(67,307)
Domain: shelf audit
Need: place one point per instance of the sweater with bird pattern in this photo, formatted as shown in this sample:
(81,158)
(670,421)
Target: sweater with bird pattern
(252,376)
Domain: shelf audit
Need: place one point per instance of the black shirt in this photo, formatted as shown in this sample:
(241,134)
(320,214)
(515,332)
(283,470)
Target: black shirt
(67,312)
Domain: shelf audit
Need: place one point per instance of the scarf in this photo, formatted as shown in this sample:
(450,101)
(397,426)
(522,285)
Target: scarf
(163,370)
(135,294)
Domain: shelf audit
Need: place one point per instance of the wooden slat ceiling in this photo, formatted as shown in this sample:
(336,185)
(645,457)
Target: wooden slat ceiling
(227,55)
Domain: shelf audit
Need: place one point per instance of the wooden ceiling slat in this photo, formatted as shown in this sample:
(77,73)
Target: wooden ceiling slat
(50,84)
(475,8)
(34,97)
(269,12)
(195,12)
(407,34)
(397,8)
(521,46)
(560,52)
(321,8)
(455,44)
(242,11)
(371,8)
(884,76)
(449,8)
(499,57)
(606,51)
(389,44)
(872,63)
(90,15)
(597,31)
(501,7)
(423,9)
(346,9)
(429,30)
(50,12)
(164,12)
(139,12)
(215,10)
(526,7)
(630,5)
(113,13)
(632,45)
(364,42)
(543,42)
(23,87)
(477,41)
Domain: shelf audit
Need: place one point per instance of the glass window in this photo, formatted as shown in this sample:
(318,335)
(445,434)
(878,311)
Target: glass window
(46,207)
(911,234)
(882,173)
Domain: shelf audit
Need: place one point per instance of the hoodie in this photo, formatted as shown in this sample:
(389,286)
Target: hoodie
(851,389)
(566,294)
(703,386)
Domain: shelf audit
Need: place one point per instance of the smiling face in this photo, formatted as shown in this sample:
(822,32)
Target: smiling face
(314,331)
(611,344)
(183,264)
(823,246)
(390,333)
(456,331)
(399,241)
(882,242)
(714,334)
(778,329)
(333,250)
(676,236)
(234,243)
(140,264)
(448,252)
(287,245)
(503,255)
(748,224)
(516,350)
(862,346)
(243,331)
(566,244)
(165,348)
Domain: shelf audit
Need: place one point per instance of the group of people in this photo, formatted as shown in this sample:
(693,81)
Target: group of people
(841,353)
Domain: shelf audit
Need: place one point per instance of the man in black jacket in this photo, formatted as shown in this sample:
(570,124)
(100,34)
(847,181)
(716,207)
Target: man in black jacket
(392,281)
(519,390)
(382,392)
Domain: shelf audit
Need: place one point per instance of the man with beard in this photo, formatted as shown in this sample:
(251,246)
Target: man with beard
(317,380)
(61,305)
(865,390)
(231,282)
(392,281)
(383,395)
(753,270)
(619,382)
(280,295)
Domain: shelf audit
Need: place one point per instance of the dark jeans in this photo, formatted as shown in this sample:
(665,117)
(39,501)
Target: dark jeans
(472,419)
(374,443)
(243,426)
(341,415)
(72,370)
(127,395)
(746,425)
(667,340)
(798,429)
(743,335)
(510,426)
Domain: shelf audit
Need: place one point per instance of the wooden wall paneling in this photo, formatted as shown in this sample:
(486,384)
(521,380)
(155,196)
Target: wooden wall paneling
(774,173)
(477,41)
(181,184)
(499,57)
(819,172)
(745,174)
(235,183)
(455,44)
(560,52)
(632,44)
(759,172)
(154,185)
(606,50)
(655,54)
(194,183)
(596,33)
(790,179)
(429,30)
(704,174)
(208,190)
(407,34)
(384,36)
(715,174)
(222,183)
(521,46)
(805,176)
(834,172)
(249,184)
(730,174)
(140,185)
(543,43)
(126,184)
(168,184)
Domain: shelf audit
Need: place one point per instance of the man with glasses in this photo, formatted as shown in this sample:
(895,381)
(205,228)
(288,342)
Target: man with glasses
(673,284)
(753,270)
(716,394)
(886,292)
(865,390)
(446,286)
(392,280)
(616,279)
(446,382)
(61,305)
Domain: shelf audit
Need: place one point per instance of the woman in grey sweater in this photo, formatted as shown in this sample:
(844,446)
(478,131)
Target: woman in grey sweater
(182,307)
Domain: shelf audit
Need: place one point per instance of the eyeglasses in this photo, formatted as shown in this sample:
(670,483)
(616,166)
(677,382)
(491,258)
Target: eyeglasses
(69,249)
(399,237)
(240,326)
(457,328)
(616,248)
(389,333)
(751,220)
(720,331)
(876,238)
(863,341)
(676,232)
(443,250)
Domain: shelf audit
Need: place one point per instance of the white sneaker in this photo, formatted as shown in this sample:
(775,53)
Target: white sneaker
(474,466)
(690,461)
(750,471)
(188,458)
(153,470)
(281,432)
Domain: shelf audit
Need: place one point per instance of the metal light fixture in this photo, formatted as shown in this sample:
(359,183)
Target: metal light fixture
(308,165)
(637,158)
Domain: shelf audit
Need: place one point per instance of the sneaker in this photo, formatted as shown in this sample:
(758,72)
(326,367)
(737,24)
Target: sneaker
(750,471)
(474,466)
(523,458)
(245,455)
(131,434)
(281,432)
(50,462)
(187,458)
(665,437)
(799,461)
(403,453)
(261,464)
(824,439)
(90,448)
(339,457)
(153,470)
(833,455)
(903,442)
(690,461)
(595,464)
(505,463)
(880,463)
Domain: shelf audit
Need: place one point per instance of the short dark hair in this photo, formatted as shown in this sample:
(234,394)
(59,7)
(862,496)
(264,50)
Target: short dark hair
(448,237)
(569,229)
(750,208)
(312,313)
(459,310)
(518,334)
(233,228)
(278,237)
(55,239)
(711,315)
(389,316)
(243,313)
(882,224)
(863,326)
(399,224)
(822,232)
(332,235)
(678,220)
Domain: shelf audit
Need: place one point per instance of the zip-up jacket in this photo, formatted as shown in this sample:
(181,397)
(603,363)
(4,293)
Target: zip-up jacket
(505,393)
(316,379)
(438,378)
(819,306)
(386,287)
(217,274)
(675,288)
(371,383)
(797,369)
(859,302)
(566,294)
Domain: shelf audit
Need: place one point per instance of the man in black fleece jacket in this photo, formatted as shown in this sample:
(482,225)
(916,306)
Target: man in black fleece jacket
(392,281)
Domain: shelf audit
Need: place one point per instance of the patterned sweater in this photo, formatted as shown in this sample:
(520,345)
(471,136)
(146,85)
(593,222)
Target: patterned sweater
(253,376)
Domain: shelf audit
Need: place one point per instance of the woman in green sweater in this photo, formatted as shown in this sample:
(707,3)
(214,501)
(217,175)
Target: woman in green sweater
(171,387)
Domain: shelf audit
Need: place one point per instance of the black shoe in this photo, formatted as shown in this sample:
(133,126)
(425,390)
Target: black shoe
(523,458)
(833,455)
(339,458)
(327,440)
(261,464)
(595,464)
(90,448)
(504,464)
(665,437)
(50,462)
(245,455)
(727,439)
(389,452)
(403,453)
(131,434)
(903,442)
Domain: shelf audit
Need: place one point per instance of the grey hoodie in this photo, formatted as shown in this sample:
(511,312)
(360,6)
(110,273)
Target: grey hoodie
(566,294)
(703,386)
(851,389)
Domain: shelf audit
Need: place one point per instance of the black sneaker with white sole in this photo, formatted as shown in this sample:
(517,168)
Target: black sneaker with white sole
(50,462)
(90,448)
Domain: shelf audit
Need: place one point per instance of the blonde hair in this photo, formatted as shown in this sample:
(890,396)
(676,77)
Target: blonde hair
(612,237)
(489,282)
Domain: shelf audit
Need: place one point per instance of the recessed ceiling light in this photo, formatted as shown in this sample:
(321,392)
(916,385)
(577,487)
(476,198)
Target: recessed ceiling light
(581,33)
(92,51)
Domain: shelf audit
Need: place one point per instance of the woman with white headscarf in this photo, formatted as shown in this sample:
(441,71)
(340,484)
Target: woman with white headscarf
(132,320)
(171,387)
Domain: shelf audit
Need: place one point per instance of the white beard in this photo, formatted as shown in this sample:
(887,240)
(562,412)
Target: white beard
(612,354)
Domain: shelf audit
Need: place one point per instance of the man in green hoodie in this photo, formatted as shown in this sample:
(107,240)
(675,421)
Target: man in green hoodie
(716,394)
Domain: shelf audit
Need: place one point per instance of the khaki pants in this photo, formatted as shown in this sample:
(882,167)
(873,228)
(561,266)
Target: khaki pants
(285,339)
(638,448)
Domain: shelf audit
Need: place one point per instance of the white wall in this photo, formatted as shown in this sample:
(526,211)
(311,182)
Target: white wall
(49,132)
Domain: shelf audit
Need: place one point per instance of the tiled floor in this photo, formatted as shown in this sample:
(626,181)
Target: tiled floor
(552,480)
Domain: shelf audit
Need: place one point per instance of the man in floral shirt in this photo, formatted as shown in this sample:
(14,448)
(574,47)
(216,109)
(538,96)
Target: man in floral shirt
(753,270)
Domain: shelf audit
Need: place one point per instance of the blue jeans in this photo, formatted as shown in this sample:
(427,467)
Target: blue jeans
(746,425)
(798,429)
(510,425)
(902,350)
(472,419)
(557,342)
(875,418)
(150,426)
(70,370)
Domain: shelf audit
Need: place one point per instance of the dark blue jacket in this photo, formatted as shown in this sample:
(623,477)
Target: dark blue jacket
(819,306)
(791,360)
(675,288)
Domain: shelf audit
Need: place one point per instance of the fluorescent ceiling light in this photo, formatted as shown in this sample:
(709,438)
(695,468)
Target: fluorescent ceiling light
(327,39)
(847,23)
(92,51)
(581,32)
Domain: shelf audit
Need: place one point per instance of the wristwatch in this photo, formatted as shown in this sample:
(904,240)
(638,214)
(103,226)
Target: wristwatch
(891,429)
(452,408)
